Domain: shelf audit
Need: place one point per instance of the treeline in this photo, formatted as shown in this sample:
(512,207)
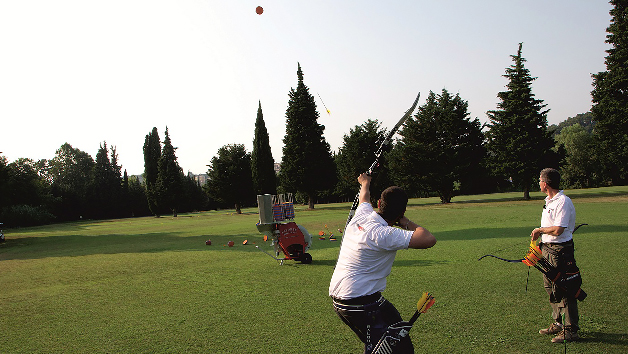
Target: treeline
(74,186)
(441,151)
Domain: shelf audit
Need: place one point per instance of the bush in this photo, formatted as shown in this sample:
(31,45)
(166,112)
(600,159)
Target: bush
(25,215)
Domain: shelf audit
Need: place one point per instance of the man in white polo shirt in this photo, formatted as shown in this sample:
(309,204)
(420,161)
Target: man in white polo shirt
(367,252)
(558,222)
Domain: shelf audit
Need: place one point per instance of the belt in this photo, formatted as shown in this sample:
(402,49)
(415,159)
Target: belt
(361,300)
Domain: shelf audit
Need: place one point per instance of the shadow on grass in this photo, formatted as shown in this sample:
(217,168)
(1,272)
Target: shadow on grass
(416,263)
(606,338)
(83,245)
(499,197)
(33,247)
(518,232)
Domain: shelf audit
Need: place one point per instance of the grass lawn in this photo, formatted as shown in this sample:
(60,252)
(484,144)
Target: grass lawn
(151,285)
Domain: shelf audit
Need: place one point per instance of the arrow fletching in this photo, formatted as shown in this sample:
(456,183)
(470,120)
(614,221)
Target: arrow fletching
(425,302)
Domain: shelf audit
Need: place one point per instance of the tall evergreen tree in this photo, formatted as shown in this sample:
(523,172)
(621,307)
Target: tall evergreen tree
(106,185)
(169,185)
(262,162)
(610,98)
(229,177)
(442,137)
(125,199)
(518,141)
(307,165)
(152,153)
(356,155)
(138,205)
(195,197)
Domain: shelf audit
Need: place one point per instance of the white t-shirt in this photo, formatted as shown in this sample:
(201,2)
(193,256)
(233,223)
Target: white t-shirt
(559,211)
(366,256)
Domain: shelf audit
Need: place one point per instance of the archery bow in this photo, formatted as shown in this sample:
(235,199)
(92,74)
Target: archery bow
(522,259)
(379,153)
(569,282)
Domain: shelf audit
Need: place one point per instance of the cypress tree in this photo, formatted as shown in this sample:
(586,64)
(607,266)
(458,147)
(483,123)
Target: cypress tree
(518,140)
(307,165)
(169,185)
(262,162)
(152,153)
(610,99)
(107,184)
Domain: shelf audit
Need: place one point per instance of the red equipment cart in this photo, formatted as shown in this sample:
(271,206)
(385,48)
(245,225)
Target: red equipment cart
(276,215)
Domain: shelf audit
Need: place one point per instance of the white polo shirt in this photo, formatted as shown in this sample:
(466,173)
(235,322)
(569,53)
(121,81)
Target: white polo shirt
(367,254)
(558,211)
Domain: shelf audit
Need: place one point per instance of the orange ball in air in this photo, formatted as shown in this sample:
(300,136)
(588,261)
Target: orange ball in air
(259,10)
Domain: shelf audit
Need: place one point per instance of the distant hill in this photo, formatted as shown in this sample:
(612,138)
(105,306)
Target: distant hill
(584,119)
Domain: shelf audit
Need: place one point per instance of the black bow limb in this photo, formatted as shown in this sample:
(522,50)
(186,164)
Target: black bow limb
(503,259)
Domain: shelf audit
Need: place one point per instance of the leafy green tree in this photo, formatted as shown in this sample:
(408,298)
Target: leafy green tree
(262,162)
(581,168)
(307,165)
(441,147)
(356,155)
(5,201)
(518,141)
(229,177)
(152,153)
(585,120)
(169,185)
(28,199)
(26,186)
(71,172)
(610,98)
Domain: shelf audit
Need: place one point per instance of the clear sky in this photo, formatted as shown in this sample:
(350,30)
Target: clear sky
(88,71)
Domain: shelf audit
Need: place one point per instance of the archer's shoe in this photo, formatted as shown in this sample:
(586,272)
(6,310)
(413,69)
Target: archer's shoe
(555,328)
(565,336)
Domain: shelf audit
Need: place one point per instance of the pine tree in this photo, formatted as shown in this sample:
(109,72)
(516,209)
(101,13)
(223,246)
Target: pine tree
(307,165)
(137,198)
(519,142)
(356,155)
(262,162)
(152,153)
(124,196)
(169,185)
(610,98)
(442,136)
(107,184)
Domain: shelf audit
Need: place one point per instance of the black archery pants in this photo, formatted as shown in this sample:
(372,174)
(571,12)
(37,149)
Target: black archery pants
(370,321)
(560,255)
